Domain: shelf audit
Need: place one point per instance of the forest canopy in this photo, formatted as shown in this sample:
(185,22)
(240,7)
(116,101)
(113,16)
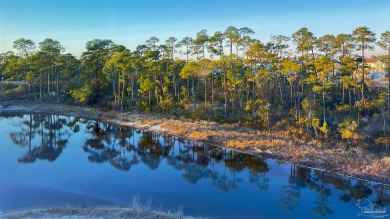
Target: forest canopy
(316,86)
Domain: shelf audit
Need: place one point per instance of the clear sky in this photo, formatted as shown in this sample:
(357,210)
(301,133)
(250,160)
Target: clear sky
(131,22)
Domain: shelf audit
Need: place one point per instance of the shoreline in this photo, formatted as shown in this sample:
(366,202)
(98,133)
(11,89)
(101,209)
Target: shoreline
(277,145)
(92,213)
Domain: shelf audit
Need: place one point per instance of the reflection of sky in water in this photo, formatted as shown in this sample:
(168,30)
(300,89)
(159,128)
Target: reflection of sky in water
(85,171)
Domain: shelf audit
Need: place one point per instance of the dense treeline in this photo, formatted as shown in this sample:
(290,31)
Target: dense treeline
(318,86)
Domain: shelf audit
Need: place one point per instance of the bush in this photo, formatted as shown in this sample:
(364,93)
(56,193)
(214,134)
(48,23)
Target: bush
(10,91)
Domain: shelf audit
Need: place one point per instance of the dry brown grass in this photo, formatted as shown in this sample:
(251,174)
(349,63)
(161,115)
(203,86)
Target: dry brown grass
(380,166)
(199,135)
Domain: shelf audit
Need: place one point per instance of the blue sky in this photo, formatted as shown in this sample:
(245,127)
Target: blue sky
(131,22)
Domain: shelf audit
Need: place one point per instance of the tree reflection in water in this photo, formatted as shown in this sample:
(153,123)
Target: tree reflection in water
(292,191)
(257,172)
(150,149)
(321,183)
(110,143)
(45,137)
(52,136)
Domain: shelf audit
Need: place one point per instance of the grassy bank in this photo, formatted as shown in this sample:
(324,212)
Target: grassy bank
(336,158)
(92,213)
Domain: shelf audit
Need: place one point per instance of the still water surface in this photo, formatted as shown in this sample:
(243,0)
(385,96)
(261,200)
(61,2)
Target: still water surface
(51,160)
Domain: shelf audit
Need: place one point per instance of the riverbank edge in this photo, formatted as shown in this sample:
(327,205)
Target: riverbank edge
(93,213)
(277,145)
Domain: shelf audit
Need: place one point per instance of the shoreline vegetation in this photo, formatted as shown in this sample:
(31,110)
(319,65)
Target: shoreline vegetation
(334,157)
(93,213)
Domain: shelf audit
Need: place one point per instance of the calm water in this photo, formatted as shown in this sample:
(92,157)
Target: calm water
(52,160)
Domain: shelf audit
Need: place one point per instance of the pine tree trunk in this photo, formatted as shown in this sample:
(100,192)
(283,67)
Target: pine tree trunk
(193,95)
(388,81)
(323,99)
(205,91)
(363,74)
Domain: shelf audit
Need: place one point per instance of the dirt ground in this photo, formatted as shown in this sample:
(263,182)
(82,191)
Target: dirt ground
(278,145)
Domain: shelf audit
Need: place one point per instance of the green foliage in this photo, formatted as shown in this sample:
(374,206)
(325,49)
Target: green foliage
(324,129)
(315,123)
(262,112)
(256,83)
(289,66)
(83,94)
(317,89)
(145,85)
(347,129)
(190,70)
(304,122)
(248,105)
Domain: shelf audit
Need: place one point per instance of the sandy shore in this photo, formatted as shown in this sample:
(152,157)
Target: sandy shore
(278,144)
(92,213)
